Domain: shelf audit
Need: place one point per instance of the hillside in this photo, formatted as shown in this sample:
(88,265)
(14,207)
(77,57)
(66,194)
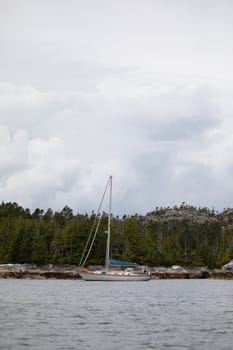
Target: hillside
(183,235)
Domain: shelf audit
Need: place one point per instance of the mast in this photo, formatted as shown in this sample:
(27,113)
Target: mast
(109,225)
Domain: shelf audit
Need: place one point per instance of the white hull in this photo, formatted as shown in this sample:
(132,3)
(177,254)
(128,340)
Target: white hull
(88,276)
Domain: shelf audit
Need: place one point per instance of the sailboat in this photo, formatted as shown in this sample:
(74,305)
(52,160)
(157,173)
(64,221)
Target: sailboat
(107,274)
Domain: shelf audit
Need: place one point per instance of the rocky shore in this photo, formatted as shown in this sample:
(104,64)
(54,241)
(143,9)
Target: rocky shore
(26,271)
(191,273)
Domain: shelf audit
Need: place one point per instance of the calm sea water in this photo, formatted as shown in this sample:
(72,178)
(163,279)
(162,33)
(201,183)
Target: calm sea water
(164,314)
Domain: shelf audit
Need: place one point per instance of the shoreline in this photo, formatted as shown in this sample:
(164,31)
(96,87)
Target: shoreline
(26,271)
(193,274)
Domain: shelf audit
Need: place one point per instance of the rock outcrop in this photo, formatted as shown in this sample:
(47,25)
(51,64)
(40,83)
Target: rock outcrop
(169,273)
(185,213)
(34,272)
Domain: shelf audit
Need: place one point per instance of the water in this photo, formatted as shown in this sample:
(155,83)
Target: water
(164,314)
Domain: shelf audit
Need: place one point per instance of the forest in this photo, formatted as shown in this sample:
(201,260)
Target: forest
(182,235)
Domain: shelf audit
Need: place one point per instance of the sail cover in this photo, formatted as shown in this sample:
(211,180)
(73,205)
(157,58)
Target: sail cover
(113,262)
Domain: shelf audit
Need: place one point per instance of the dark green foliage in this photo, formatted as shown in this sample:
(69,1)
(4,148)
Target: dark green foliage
(181,235)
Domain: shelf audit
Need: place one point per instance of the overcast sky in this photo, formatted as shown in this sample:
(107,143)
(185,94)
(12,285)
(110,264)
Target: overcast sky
(140,89)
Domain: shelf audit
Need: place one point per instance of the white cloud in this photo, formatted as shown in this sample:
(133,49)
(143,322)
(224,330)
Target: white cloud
(13,152)
(88,90)
(38,170)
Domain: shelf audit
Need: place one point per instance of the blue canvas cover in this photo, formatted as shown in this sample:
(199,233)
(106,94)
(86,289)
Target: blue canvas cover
(113,262)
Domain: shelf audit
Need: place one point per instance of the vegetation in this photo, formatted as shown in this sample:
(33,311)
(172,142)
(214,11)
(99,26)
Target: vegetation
(182,235)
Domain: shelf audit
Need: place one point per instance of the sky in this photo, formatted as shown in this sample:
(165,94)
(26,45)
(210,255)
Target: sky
(140,90)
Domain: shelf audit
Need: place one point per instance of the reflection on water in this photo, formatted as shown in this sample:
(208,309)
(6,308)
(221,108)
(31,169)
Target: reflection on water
(175,314)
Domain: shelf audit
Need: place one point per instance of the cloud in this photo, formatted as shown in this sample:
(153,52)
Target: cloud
(13,152)
(34,171)
(86,91)
(158,152)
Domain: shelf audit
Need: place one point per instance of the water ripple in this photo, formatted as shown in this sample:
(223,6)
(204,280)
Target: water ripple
(67,315)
